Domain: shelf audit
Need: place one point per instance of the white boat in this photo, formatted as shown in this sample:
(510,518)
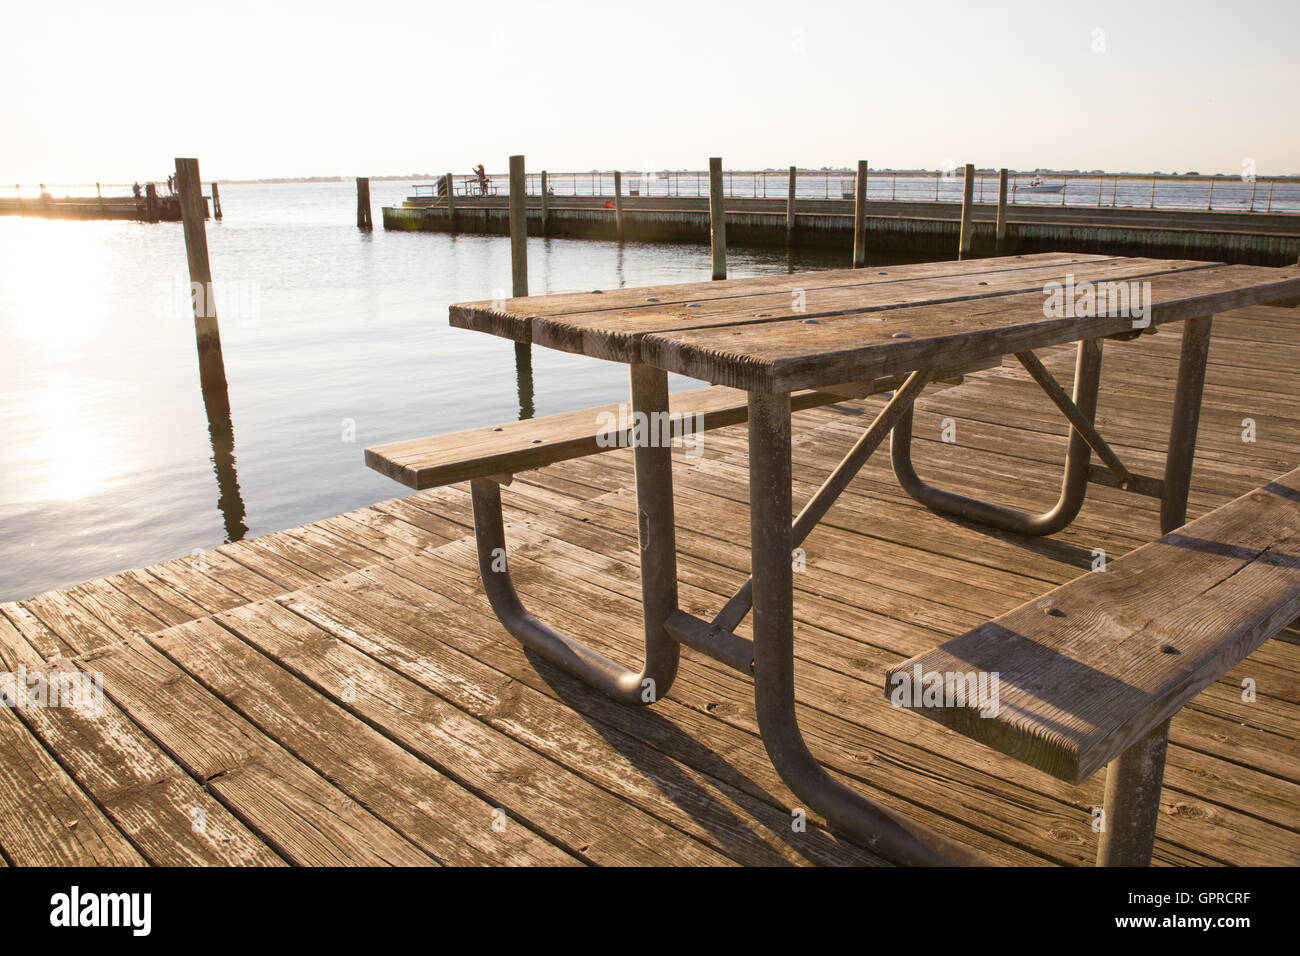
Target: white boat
(1037,185)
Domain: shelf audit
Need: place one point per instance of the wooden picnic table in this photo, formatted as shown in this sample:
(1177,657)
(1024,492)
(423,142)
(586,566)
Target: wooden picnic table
(850,332)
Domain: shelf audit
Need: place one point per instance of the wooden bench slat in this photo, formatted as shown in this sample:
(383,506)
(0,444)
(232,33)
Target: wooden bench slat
(423,463)
(1089,668)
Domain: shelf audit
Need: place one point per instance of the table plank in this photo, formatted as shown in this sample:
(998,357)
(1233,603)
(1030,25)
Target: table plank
(512,318)
(615,334)
(804,353)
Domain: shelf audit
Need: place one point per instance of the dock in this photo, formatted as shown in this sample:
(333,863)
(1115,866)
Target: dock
(911,227)
(341,693)
(157,209)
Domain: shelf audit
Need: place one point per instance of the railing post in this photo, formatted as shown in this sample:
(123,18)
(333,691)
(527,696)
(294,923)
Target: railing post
(967,211)
(789,208)
(1000,236)
(546,204)
(717,219)
(618,204)
(860,216)
(451,202)
(518,229)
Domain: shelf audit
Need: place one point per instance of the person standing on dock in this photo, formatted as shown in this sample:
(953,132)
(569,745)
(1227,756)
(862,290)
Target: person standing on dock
(481,173)
(135,190)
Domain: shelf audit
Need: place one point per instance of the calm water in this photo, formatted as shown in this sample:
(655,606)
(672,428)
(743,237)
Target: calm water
(333,340)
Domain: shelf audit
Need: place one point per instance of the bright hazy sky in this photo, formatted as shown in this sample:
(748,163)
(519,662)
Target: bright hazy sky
(112,92)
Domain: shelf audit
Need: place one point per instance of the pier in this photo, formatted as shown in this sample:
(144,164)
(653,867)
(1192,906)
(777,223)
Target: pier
(155,208)
(341,693)
(1252,232)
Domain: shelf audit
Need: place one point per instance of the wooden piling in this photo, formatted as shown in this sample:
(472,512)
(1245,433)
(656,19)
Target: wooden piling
(212,369)
(150,203)
(860,217)
(99,194)
(519,278)
(363,203)
(967,212)
(618,204)
(789,208)
(216,203)
(451,203)
(1000,236)
(518,228)
(546,205)
(717,219)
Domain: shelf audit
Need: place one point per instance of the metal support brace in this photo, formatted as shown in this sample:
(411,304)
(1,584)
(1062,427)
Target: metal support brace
(1078,420)
(658,546)
(771,534)
(1087,379)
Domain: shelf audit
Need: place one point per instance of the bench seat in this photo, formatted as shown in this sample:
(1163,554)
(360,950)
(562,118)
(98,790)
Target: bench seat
(1099,665)
(1090,667)
(501,450)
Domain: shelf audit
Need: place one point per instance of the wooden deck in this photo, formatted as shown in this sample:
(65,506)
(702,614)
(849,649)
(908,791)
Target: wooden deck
(340,693)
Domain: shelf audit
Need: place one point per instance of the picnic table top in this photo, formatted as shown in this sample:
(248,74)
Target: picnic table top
(778,333)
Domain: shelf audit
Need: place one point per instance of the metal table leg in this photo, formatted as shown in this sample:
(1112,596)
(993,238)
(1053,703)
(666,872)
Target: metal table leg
(1186,419)
(1087,379)
(892,835)
(658,546)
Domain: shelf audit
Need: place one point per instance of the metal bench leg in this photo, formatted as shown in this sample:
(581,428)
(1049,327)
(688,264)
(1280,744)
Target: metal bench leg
(658,546)
(890,834)
(1132,807)
(1087,379)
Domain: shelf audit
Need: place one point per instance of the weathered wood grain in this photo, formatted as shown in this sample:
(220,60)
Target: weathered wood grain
(511,318)
(806,353)
(615,334)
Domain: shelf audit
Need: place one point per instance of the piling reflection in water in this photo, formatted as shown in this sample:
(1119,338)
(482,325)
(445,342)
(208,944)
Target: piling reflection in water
(221,431)
(524,378)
